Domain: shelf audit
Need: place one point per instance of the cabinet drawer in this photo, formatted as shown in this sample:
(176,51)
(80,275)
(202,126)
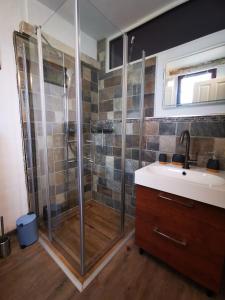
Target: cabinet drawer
(154,201)
(201,239)
(190,255)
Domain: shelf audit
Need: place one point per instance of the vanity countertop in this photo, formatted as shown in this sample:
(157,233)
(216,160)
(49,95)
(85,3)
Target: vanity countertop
(195,183)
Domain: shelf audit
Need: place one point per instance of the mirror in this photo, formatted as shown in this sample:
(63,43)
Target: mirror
(196,79)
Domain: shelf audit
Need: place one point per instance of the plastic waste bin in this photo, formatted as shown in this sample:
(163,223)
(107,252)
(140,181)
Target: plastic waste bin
(27,229)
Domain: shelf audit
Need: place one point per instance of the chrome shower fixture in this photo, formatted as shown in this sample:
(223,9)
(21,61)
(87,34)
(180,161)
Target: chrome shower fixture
(132,41)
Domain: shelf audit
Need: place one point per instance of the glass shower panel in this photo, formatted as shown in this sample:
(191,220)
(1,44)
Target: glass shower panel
(133,118)
(134,130)
(102,133)
(30,107)
(79,150)
(57,38)
(78,158)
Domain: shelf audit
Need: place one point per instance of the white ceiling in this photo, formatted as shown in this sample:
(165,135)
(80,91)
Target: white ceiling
(97,16)
(125,13)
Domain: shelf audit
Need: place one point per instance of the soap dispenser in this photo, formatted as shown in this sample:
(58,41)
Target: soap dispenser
(213,164)
(162,158)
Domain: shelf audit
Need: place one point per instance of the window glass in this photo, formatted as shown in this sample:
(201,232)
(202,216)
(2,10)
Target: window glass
(116,52)
(186,84)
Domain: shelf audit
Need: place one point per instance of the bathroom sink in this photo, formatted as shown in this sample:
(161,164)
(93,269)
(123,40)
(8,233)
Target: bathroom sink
(192,175)
(195,183)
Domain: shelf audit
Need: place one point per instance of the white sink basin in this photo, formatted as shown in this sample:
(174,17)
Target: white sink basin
(195,183)
(192,175)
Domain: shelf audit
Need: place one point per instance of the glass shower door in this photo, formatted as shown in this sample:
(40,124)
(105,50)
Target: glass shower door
(30,107)
(57,62)
(78,133)
(102,106)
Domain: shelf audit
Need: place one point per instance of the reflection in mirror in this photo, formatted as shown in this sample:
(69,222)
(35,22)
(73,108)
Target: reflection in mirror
(196,79)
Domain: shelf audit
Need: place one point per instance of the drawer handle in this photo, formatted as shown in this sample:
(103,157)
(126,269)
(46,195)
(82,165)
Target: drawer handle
(189,205)
(182,243)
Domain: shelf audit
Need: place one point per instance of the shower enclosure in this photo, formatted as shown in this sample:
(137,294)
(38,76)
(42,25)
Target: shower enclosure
(81,130)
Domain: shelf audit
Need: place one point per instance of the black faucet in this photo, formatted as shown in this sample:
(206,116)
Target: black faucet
(188,140)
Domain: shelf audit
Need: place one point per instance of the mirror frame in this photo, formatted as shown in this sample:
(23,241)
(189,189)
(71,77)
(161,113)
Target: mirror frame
(182,51)
(212,102)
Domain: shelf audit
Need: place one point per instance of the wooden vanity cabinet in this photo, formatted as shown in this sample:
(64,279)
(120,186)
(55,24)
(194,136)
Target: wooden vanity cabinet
(188,235)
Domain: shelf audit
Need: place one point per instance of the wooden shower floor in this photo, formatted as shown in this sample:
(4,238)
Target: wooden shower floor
(102,231)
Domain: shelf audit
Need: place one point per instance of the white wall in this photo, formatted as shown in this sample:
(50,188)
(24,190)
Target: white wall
(198,45)
(88,45)
(13,197)
(58,27)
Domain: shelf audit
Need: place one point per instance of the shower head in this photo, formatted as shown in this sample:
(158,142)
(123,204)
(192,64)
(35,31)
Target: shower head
(132,41)
(69,75)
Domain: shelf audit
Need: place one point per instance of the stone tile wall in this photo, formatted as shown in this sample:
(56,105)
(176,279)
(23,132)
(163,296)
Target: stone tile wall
(107,162)
(61,147)
(161,135)
(207,136)
(102,106)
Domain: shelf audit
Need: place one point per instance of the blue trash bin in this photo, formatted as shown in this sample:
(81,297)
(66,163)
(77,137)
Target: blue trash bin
(27,229)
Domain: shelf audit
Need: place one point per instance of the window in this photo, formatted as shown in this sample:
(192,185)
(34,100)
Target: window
(116,53)
(186,84)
